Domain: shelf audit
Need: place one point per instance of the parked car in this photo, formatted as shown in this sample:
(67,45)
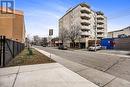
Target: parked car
(92,48)
(62,47)
(44,45)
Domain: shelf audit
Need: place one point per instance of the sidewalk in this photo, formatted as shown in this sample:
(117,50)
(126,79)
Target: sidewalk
(99,78)
(41,75)
(116,52)
(119,53)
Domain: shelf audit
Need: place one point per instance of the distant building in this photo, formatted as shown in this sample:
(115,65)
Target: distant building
(12,25)
(84,17)
(120,33)
(55,42)
(37,40)
(44,41)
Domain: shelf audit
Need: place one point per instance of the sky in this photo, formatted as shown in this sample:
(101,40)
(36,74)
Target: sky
(42,15)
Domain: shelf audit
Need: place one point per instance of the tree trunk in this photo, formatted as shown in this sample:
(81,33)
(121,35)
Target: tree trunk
(62,42)
(73,44)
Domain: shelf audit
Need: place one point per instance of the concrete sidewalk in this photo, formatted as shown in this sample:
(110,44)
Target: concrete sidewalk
(115,52)
(41,75)
(100,78)
(118,53)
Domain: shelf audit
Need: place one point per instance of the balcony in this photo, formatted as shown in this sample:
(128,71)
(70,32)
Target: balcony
(85,16)
(100,17)
(84,5)
(85,10)
(100,21)
(85,33)
(85,22)
(100,31)
(83,40)
(100,35)
(87,28)
(100,26)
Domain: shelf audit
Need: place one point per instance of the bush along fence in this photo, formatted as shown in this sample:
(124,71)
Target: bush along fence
(8,50)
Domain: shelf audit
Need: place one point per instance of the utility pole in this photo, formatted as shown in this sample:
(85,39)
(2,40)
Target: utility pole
(79,41)
(95,27)
(50,36)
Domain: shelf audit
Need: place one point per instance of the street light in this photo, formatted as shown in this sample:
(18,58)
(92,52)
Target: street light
(79,37)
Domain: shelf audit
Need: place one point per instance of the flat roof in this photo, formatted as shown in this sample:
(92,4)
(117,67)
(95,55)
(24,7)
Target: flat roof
(120,29)
(82,4)
(68,11)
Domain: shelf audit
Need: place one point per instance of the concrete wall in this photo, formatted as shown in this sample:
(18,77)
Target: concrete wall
(122,44)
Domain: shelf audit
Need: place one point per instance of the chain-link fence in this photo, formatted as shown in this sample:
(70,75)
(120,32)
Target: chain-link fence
(8,50)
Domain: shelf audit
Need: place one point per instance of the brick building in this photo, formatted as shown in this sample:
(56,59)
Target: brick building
(12,25)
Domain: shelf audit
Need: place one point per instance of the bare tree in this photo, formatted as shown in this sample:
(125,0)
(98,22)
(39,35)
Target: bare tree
(63,35)
(73,34)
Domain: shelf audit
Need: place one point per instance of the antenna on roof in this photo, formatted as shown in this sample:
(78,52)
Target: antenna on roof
(68,10)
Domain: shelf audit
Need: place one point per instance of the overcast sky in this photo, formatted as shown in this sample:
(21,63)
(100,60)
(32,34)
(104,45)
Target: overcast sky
(41,15)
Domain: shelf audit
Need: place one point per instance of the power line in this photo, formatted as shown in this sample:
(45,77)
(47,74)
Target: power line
(120,14)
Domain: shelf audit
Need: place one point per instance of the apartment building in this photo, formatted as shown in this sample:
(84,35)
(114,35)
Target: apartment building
(88,20)
(119,33)
(12,25)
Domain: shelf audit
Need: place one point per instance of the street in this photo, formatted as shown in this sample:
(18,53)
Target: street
(59,43)
(111,64)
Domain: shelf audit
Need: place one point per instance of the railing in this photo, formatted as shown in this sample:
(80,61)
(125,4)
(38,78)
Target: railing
(85,9)
(84,15)
(8,50)
(100,16)
(100,26)
(85,33)
(85,27)
(83,21)
(102,31)
(100,35)
(101,21)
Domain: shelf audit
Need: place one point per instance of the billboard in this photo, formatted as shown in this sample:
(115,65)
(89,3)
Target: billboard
(7,8)
(50,32)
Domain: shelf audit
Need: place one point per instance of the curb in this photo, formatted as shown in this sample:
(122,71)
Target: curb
(99,78)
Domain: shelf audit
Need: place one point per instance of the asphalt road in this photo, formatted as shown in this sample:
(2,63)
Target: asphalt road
(112,64)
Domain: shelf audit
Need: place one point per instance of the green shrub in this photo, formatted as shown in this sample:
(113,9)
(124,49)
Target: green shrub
(30,52)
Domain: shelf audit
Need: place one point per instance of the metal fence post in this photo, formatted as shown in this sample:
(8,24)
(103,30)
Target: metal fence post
(17,47)
(0,50)
(4,38)
(13,50)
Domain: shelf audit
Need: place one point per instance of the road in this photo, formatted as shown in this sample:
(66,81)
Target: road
(112,64)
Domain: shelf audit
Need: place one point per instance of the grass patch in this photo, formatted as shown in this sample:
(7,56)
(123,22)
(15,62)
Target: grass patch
(29,57)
